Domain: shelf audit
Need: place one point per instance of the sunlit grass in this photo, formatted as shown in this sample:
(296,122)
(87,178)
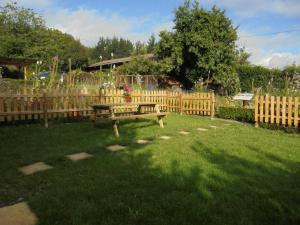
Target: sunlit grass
(232,174)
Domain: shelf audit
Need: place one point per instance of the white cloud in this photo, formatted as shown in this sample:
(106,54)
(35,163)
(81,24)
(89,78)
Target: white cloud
(281,60)
(88,25)
(248,8)
(265,50)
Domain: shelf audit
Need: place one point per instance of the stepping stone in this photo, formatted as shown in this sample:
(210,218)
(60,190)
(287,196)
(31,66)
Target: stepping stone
(184,132)
(115,148)
(18,214)
(79,156)
(165,137)
(213,127)
(142,142)
(34,168)
(201,129)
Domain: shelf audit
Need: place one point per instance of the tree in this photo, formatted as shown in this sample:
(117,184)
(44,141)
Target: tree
(242,56)
(16,27)
(151,44)
(202,45)
(118,46)
(23,34)
(139,66)
(140,48)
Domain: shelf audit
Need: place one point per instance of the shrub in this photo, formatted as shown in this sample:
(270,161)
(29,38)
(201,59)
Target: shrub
(236,113)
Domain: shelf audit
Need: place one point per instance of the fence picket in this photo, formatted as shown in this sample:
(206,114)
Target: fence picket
(282,111)
(290,106)
(2,118)
(296,112)
(272,110)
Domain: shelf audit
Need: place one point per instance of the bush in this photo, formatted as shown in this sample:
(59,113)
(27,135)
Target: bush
(236,113)
(257,76)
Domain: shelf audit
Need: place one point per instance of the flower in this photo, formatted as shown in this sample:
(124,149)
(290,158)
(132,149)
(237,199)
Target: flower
(127,90)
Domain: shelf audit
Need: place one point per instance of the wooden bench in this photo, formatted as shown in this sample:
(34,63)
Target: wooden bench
(110,114)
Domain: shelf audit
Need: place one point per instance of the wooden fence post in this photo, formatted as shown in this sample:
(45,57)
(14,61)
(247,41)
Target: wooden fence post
(45,109)
(180,104)
(256,111)
(212,105)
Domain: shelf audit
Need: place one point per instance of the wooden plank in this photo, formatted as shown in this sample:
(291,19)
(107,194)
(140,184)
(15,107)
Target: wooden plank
(272,109)
(283,112)
(65,106)
(256,111)
(278,107)
(212,104)
(290,106)
(296,112)
(45,109)
(29,107)
(2,119)
(261,109)
(35,108)
(209,103)
(22,107)
(267,109)
(8,108)
(15,108)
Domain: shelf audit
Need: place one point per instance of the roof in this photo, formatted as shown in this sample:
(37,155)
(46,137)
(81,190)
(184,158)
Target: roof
(243,97)
(16,61)
(120,60)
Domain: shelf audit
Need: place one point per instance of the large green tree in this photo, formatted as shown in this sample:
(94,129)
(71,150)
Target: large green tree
(120,47)
(201,45)
(23,34)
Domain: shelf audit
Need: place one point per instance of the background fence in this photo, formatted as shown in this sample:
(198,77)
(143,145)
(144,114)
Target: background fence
(277,110)
(37,106)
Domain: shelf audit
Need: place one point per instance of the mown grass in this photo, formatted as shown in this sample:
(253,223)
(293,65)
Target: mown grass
(234,174)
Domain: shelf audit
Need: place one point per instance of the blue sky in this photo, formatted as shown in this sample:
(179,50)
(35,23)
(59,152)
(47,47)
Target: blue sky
(269,29)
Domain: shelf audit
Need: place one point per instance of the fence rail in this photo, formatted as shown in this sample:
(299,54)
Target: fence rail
(45,106)
(277,110)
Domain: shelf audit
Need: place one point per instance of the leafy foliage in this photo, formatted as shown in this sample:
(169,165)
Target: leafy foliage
(236,113)
(118,46)
(23,34)
(151,44)
(268,80)
(202,45)
(139,65)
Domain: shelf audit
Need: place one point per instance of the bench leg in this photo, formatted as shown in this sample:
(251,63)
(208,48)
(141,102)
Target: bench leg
(160,121)
(115,127)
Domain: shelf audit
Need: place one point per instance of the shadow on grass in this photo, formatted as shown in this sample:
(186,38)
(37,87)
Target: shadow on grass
(261,190)
(128,187)
(23,145)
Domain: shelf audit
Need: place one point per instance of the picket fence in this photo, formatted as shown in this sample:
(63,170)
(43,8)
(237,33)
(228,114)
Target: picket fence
(283,111)
(45,106)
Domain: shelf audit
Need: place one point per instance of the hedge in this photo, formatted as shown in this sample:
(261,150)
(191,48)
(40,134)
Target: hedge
(236,113)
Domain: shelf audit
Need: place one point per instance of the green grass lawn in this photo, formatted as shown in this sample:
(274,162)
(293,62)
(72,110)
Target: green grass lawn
(234,174)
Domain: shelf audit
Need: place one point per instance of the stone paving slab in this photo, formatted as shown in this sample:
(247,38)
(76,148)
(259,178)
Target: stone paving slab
(79,156)
(34,168)
(143,142)
(202,129)
(18,214)
(184,132)
(115,148)
(165,137)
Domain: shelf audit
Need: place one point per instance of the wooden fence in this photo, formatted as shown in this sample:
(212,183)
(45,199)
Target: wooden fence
(44,106)
(277,110)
